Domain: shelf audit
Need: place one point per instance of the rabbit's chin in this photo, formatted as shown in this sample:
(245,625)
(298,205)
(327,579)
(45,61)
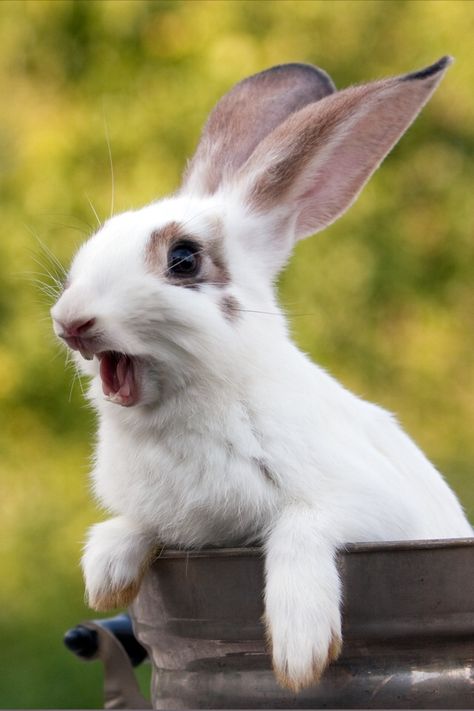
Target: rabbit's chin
(118,373)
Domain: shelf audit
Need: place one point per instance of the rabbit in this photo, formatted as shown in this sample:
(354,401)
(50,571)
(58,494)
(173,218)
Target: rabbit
(213,427)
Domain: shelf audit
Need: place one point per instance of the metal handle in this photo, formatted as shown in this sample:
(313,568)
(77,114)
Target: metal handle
(112,641)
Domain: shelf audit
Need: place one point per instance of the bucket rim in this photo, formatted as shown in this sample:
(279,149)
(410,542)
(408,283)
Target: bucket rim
(349,548)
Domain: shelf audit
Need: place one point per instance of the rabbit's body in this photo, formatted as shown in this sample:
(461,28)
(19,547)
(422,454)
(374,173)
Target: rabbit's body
(228,434)
(219,474)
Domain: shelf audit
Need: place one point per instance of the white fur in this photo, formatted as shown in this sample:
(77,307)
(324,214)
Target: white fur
(222,401)
(114,555)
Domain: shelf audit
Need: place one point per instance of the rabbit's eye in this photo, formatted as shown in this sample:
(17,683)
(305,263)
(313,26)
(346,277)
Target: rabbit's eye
(184,259)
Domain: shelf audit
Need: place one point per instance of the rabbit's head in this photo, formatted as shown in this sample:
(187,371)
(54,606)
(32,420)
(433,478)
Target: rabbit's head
(159,296)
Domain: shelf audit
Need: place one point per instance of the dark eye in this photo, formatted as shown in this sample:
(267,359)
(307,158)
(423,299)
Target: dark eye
(184,259)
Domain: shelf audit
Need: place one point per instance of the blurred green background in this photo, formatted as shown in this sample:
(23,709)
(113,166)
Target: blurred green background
(383,299)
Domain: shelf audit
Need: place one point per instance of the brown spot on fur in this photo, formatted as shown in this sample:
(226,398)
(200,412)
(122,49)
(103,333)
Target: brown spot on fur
(230,307)
(214,247)
(113,598)
(156,252)
(266,471)
(220,273)
(316,670)
(312,677)
(335,648)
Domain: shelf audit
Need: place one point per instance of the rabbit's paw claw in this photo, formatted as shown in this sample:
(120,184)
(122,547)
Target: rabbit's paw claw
(301,663)
(112,598)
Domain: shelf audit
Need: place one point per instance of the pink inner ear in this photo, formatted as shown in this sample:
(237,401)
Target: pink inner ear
(338,180)
(359,142)
(313,166)
(246,115)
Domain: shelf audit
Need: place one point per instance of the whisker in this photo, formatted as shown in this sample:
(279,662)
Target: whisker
(46,274)
(271,313)
(68,226)
(254,311)
(55,264)
(51,256)
(30,275)
(81,386)
(107,138)
(74,376)
(53,289)
(44,280)
(93,210)
(184,222)
(48,292)
(59,353)
(65,214)
(37,260)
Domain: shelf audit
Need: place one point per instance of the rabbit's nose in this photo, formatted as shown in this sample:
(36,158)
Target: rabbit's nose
(73,329)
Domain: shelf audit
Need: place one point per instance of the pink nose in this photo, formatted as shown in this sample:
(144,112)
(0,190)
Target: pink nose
(79,327)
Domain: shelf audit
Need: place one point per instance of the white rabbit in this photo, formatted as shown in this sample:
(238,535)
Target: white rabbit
(215,428)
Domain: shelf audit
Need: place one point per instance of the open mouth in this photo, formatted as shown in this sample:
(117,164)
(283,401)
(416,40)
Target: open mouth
(117,372)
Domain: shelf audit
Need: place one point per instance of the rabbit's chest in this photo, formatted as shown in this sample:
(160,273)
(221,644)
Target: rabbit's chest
(193,484)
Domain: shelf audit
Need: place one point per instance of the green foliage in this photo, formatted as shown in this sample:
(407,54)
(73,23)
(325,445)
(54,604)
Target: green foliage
(383,298)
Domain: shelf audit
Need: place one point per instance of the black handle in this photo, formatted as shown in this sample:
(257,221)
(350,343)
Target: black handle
(83,641)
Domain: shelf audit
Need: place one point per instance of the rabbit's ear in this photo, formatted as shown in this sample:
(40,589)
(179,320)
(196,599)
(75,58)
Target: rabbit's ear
(311,168)
(245,115)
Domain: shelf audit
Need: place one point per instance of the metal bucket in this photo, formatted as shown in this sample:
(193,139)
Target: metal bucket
(408,630)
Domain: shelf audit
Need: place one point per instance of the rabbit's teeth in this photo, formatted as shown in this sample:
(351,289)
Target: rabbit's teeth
(118,378)
(115,398)
(87,355)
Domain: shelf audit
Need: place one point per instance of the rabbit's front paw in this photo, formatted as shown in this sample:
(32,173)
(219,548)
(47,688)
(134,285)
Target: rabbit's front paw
(302,598)
(114,561)
(302,648)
